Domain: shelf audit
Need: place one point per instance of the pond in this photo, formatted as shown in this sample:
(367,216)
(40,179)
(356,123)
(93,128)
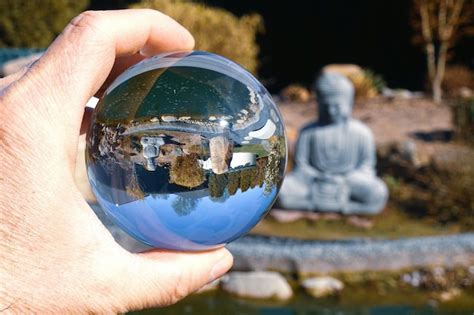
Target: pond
(357,301)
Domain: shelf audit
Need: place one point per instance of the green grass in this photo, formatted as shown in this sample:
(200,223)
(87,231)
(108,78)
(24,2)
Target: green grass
(353,300)
(391,224)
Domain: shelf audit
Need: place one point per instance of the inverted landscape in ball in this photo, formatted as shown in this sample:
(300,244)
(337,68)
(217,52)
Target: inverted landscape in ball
(186,151)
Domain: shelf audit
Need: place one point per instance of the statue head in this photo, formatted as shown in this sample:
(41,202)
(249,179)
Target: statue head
(335,94)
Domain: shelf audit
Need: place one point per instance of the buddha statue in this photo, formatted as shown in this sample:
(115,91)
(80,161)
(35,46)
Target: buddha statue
(335,158)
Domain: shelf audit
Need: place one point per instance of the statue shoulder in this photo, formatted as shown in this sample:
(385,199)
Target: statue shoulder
(360,128)
(309,127)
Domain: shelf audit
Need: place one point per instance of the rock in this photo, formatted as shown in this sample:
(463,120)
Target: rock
(330,216)
(405,155)
(211,286)
(322,286)
(471,270)
(402,94)
(257,285)
(449,294)
(414,278)
(360,222)
(464,92)
(388,92)
(408,152)
(286,216)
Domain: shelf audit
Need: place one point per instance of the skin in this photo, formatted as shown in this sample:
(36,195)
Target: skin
(55,255)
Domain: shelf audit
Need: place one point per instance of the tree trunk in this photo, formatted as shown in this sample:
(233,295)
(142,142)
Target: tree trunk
(440,68)
(437,91)
(438,19)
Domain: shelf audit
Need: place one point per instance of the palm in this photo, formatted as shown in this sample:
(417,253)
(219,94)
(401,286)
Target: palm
(55,254)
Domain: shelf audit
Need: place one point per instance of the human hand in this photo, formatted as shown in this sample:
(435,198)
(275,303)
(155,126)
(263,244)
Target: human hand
(55,255)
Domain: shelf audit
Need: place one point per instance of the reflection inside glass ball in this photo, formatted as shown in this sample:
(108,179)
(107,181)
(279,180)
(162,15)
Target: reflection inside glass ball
(186,151)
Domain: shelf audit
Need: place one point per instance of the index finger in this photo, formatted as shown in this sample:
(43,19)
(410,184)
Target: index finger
(78,62)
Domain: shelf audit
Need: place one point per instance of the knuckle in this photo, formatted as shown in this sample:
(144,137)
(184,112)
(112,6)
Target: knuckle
(87,21)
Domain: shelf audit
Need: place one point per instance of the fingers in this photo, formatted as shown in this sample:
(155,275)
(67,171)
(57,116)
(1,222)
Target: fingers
(79,61)
(6,81)
(96,38)
(160,278)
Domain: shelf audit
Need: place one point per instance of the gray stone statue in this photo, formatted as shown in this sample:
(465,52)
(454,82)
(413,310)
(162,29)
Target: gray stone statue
(335,158)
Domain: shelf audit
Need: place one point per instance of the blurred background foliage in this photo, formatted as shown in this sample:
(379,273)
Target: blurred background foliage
(299,39)
(463,120)
(34,23)
(367,84)
(457,77)
(451,197)
(214,29)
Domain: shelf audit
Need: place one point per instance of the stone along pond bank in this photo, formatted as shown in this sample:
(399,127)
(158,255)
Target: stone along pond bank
(440,268)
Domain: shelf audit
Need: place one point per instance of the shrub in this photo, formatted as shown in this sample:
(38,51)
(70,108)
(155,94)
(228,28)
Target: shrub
(215,30)
(29,23)
(367,84)
(295,93)
(452,195)
(463,118)
(442,191)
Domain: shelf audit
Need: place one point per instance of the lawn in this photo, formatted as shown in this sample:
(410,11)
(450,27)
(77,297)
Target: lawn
(392,223)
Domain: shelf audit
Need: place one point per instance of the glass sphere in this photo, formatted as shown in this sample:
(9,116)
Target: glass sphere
(186,151)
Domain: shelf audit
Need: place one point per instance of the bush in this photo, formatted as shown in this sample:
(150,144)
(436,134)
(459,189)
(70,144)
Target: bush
(442,192)
(463,118)
(35,24)
(367,84)
(215,30)
(452,195)
(457,77)
(295,93)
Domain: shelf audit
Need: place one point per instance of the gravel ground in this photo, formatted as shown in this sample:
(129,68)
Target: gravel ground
(287,255)
(389,120)
(418,120)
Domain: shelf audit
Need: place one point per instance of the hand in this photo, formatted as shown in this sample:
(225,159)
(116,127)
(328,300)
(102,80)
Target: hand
(55,255)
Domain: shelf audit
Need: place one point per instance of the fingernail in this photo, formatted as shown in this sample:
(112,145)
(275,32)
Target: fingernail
(221,267)
(147,52)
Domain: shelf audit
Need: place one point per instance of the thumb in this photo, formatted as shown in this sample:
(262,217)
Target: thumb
(160,278)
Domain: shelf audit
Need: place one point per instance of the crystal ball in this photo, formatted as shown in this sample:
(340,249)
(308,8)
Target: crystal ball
(186,151)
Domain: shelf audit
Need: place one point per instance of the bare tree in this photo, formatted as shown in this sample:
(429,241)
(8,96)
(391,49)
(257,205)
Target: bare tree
(438,22)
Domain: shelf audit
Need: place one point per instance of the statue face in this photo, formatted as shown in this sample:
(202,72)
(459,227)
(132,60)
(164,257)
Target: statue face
(337,107)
